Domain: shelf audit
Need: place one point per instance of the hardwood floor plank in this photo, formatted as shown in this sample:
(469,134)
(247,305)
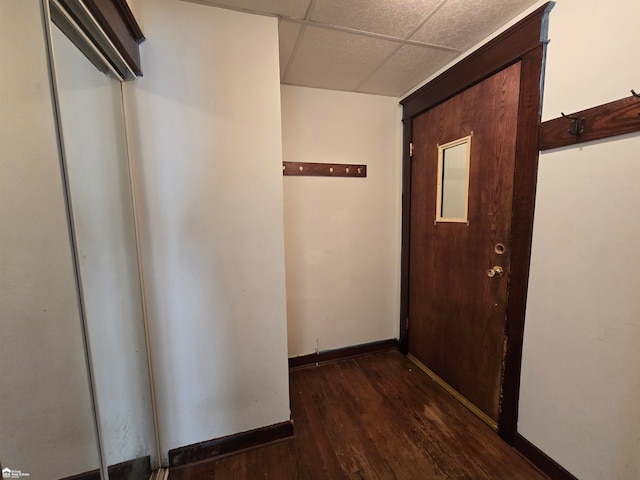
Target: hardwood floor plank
(432,424)
(375,417)
(361,448)
(461,445)
(317,458)
(400,451)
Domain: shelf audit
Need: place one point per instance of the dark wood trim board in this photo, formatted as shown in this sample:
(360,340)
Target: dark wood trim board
(114,17)
(137,469)
(546,464)
(92,475)
(406,234)
(505,49)
(524,194)
(524,42)
(604,121)
(342,353)
(229,444)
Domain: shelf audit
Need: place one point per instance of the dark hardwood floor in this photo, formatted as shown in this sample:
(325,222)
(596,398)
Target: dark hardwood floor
(372,417)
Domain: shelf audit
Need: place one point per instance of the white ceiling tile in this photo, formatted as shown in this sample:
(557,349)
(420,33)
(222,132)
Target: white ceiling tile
(336,60)
(288,34)
(405,69)
(462,23)
(328,57)
(396,18)
(284,8)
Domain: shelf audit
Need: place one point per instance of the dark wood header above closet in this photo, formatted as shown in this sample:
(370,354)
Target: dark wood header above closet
(118,23)
(116,19)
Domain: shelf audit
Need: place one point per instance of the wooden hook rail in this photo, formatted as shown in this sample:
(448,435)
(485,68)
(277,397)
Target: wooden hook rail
(302,169)
(604,121)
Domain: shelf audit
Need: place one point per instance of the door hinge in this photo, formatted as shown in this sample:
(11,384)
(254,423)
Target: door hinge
(406,323)
(411,149)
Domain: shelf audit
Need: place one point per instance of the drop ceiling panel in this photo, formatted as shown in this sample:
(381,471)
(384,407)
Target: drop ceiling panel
(462,23)
(373,46)
(408,67)
(283,8)
(336,60)
(288,32)
(397,18)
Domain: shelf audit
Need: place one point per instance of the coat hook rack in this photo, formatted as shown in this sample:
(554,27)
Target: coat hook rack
(602,121)
(577,124)
(302,169)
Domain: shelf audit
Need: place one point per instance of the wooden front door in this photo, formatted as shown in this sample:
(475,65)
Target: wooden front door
(457,297)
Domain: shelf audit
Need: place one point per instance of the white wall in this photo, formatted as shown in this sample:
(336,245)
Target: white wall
(46,426)
(580,394)
(342,235)
(207,154)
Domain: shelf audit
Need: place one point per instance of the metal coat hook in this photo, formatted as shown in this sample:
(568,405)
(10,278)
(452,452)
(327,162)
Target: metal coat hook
(633,92)
(577,124)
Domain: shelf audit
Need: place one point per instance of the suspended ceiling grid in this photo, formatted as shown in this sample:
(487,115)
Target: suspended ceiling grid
(383,47)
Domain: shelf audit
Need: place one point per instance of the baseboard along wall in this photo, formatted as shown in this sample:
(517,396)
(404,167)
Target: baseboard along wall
(231,443)
(136,469)
(342,353)
(545,464)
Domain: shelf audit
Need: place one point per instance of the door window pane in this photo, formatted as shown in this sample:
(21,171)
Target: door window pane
(453,180)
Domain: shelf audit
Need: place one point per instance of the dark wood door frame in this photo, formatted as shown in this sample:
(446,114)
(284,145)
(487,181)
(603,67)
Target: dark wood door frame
(524,42)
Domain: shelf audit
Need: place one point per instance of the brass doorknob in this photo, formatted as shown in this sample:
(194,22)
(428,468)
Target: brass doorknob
(496,271)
